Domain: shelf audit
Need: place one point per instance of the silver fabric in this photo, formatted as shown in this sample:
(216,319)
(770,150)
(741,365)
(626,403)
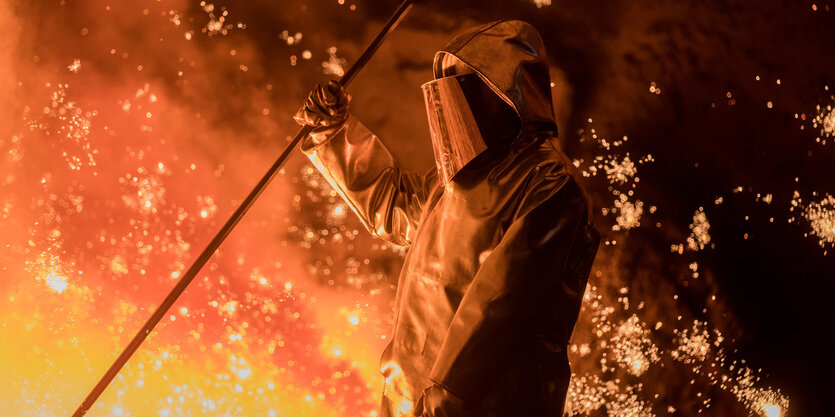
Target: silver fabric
(499,254)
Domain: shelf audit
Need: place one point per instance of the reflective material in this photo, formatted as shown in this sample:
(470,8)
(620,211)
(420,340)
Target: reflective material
(456,139)
(499,255)
(465,117)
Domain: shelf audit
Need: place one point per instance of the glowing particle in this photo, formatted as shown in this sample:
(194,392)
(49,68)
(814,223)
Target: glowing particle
(771,410)
(653,88)
(72,125)
(218,20)
(56,283)
(75,66)
(207,205)
(632,347)
(699,231)
(825,122)
(821,217)
(618,172)
(693,344)
(229,308)
(629,216)
(334,65)
(290,39)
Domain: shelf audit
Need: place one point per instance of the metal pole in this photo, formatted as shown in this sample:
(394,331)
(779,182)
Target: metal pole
(230,224)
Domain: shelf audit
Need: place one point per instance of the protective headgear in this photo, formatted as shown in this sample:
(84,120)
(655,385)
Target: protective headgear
(466,116)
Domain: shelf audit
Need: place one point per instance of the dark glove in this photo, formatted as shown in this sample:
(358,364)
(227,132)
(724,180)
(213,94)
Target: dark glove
(438,402)
(326,106)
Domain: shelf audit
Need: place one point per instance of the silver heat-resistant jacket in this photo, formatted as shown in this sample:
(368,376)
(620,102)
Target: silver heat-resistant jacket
(499,257)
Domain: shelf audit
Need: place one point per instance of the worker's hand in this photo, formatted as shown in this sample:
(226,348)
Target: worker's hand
(326,106)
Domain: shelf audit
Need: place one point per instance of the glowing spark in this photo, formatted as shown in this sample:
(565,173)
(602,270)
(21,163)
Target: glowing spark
(118,265)
(699,231)
(771,410)
(630,213)
(290,39)
(694,344)
(821,217)
(148,192)
(229,308)
(825,121)
(653,88)
(632,347)
(75,66)
(208,208)
(618,172)
(334,65)
(63,118)
(217,24)
(57,283)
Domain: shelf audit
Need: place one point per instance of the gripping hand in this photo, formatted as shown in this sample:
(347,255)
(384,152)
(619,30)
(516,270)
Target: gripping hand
(326,106)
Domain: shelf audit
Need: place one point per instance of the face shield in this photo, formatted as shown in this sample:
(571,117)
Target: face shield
(465,118)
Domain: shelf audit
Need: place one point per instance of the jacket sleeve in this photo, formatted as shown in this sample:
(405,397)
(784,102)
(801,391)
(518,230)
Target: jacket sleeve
(358,166)
(518,298)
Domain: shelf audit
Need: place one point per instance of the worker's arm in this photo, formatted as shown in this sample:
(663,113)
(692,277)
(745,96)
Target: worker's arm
(387,199)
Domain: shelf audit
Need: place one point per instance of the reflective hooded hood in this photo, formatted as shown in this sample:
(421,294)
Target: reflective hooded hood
(510,57)
(498,256)
(473,104)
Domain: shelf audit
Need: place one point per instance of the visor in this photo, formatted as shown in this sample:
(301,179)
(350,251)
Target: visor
(465,117)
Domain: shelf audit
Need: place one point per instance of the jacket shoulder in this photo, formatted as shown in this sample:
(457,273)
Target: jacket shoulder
(551,176)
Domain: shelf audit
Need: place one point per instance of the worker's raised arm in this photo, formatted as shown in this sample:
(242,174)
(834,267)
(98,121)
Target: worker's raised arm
(388,200)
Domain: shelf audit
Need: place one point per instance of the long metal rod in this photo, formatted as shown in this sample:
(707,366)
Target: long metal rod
(221,235)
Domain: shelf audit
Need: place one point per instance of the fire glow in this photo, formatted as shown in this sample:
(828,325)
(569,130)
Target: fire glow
(112,183)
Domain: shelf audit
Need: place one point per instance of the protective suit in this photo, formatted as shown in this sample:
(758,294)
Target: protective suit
(501,242)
